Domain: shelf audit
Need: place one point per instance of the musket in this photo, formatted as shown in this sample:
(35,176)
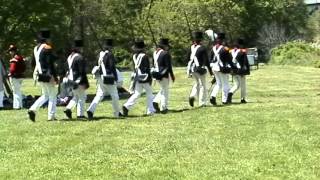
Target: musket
(149,25)
(94,33)
(188,23)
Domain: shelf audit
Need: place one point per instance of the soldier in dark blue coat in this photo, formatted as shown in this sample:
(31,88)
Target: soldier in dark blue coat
(142,79)
(45,74)
(162,72)
(77,77)
(241,69)
(220,62)
(198,64)
(107,78)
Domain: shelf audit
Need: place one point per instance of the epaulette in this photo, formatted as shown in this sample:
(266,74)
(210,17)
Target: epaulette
(47,46)
(13,60)
(227,49)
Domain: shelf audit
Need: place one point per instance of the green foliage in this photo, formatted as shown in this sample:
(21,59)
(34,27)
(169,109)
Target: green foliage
(296,53)
(275,136)
(314,26)
(126,20)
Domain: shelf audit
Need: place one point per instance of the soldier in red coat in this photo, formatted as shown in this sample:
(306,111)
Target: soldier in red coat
(16,74)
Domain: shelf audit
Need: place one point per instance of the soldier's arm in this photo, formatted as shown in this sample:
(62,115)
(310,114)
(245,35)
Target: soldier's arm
(169,65)
(206,60)
(51,60)
(112,65)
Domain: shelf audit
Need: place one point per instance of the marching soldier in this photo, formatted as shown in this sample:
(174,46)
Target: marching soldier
(46,76)
(77,78)
(198,62)
(162,72)
(220,62)
(107,78)
(241,69)
(142,79)
(16,74)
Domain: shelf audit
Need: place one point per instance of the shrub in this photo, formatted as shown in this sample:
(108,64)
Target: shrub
(296,53)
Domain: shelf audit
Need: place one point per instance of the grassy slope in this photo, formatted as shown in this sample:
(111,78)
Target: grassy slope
(275,136)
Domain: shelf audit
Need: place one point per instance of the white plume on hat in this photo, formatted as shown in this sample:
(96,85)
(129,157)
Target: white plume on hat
(212,35)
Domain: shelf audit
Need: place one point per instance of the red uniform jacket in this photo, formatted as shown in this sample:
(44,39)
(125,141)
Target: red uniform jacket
(17,67)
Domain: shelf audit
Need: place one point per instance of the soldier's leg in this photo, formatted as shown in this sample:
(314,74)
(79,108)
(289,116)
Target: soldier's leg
(157,98)
(236,84)
(74,100)
(82,96)
(135,96)
(165,93)
(196,86)
(113,91)
(42,99)
(17,96)
(243,87)
(150,108)
(52,105)
(217,85)
(203,90)
(97,99)
(1,98)
(225,87)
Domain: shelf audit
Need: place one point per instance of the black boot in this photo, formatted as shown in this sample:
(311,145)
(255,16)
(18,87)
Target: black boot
(125,111)
(81,117)
(32,116)
(68,113)
(156,107)
(165,111)
(243,101)
(229,99)
(213,101)
(90,115)
(191,101)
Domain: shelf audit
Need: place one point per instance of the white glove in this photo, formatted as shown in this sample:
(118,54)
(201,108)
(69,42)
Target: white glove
(95,70)
(65,80)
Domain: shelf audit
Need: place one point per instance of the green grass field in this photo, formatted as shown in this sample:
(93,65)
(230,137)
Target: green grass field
(275,136)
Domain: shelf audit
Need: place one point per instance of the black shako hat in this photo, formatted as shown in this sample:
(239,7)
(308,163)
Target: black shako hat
(107,43)
(139,44)
(78,43)
(197,35)
(164,42)
(240,42)
(221,36)
(44,33)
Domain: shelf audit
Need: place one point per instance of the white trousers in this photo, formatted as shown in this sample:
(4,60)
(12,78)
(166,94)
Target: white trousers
(199,88)
(17,95)
(239,82)
(1,98)
(79,100)
(102,90)
(163,95)
(49,92)
(222,82)
(137,93)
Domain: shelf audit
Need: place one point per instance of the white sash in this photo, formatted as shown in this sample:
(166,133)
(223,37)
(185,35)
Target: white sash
(70,62)
(155,59)
(216,65)
(234,54)
(193,59)
(36,53)
(100,62)
(137,61)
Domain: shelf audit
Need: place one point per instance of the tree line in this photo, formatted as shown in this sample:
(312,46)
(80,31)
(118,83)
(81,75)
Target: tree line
(125,20)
